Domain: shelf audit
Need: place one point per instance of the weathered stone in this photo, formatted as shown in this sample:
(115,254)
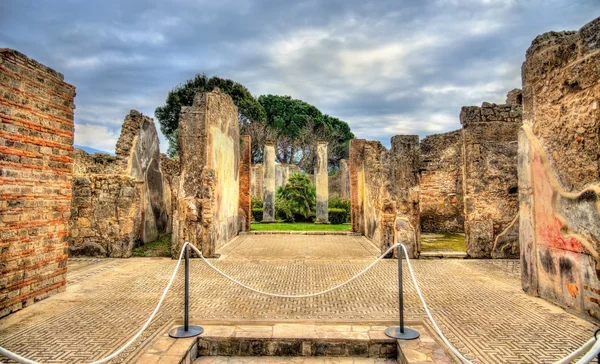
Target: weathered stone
(321,178)
(559,171)
(441,189)
(258,175)
(269,183)
(384,187)
(490,184)
(208,196)
(138,153)
(105,215)
(36,164)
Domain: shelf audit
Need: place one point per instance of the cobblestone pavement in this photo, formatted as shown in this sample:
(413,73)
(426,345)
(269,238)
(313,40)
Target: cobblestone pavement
(478,303)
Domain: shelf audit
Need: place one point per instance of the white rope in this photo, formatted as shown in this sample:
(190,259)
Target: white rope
(591,355)
(582,350)
(435,326)
(21,359)
(301,295)
(568,359)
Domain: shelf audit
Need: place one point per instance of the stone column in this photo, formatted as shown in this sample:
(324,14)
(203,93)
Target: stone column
(321,180)
(269,183)
(344,179)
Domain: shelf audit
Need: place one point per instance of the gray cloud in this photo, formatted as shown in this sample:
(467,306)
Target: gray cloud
(386,67)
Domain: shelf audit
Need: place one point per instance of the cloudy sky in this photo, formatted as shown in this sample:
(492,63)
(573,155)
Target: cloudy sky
(385,67)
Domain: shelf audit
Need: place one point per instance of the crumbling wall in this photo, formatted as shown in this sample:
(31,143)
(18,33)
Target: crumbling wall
(208,198)
(96,228)
(36,144)
(490,184)
(106,218)
(138,153)
(559,172)
(441,189)
(384,191)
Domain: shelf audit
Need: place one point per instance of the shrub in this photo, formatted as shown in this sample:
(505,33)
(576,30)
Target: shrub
(257,214)
(340,203)
(301,195)
(256,203)
(337,216)
(283,210)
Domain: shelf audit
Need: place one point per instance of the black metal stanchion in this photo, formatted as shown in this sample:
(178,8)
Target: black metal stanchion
(401,332)
(186,330)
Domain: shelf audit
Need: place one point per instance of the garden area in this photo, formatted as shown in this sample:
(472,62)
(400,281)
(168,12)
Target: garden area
(295,209)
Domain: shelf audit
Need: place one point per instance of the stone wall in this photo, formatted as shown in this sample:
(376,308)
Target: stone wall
(384,191)
(490,184)
(138,153)
(441,189)
(559,171)
(36,144)
(106,218)
(123,201)
(208,198)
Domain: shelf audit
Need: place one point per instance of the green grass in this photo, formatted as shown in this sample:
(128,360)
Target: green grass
(160,247)
(299,226)
(432,242)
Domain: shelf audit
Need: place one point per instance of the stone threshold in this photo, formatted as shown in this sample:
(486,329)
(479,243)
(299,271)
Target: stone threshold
(341,340)
(347,233)
(442,255)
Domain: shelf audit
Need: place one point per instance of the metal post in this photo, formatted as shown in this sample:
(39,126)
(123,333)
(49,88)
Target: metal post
(401,332)
(186,330)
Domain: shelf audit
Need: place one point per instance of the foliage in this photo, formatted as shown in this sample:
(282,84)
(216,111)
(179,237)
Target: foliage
(256,203)
(257,214)
(337,216)
(251,115)
(301,195)
(160,247)
(340,203)
(283,210)
(299,226)
(298,126)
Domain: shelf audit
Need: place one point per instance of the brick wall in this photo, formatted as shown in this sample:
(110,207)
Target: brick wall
(245,180)
(36,144)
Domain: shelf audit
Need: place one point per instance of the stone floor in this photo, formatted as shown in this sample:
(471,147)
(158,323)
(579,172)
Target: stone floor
(478,303)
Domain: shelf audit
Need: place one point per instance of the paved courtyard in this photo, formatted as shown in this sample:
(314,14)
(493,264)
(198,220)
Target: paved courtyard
(478,303)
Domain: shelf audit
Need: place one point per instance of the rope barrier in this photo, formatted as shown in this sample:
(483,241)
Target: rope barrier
(301,295)
(21,359)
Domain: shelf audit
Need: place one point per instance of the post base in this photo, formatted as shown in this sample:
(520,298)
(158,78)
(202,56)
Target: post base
(394,333)
(179,332)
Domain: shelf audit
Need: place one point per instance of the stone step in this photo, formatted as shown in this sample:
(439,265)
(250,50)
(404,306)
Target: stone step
(347,233)
(290,359)
(442,255)
(297,342)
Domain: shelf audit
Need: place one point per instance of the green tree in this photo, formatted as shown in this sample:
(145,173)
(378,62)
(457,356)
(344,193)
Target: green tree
(251,114)
(298,126)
